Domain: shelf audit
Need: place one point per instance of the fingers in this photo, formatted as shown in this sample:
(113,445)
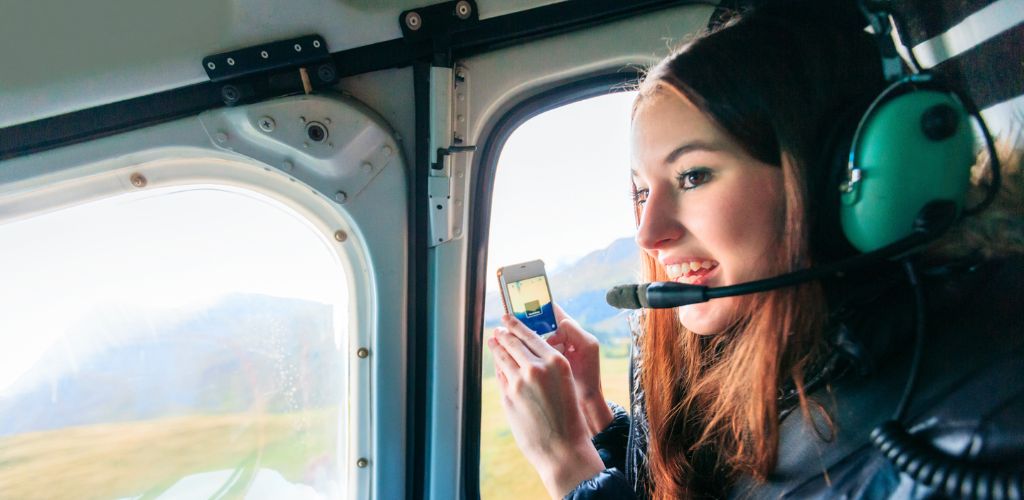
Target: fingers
(504,364)
(514,347)
(529,339)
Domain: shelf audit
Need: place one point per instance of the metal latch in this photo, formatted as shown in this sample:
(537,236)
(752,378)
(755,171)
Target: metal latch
(294,65)
(447,184)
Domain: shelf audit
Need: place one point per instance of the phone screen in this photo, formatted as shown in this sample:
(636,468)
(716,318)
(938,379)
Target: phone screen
(530,302)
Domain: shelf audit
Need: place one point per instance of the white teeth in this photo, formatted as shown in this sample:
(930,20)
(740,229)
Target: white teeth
(694,265)
(676,271)
(706,264)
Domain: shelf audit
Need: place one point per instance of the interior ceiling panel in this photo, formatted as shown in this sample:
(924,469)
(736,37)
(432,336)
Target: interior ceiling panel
(62,56)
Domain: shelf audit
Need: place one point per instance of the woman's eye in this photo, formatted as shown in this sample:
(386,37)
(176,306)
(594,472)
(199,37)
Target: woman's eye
(693,178)
(640,196)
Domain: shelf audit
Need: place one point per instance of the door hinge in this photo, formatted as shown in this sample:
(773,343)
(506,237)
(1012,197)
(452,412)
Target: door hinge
(449,169)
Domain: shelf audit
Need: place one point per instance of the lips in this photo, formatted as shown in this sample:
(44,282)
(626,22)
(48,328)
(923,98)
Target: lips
(691,272)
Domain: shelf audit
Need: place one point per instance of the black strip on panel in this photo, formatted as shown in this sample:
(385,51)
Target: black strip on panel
(479,226)
(416,293)
(990,72)
(482,36)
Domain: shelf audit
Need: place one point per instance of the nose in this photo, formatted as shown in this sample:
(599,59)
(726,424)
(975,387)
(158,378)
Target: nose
(659,222)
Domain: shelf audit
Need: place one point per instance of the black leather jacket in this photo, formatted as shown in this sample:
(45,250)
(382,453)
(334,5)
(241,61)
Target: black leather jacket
(968,402)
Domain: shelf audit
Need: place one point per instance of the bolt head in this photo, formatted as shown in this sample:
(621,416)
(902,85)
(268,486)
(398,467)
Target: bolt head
(463,9)
(340,197)
(266,123)
(363,352)
(340,235)
(413,21)
(362,463)
(138,180)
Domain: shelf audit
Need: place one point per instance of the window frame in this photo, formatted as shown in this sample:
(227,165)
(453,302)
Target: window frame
(558,95)
(167,169)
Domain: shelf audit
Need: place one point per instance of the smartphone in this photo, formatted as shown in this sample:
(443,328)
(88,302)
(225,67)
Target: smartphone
(526,295)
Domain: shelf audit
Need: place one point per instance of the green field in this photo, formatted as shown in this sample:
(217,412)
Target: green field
(504,472)
(129,459)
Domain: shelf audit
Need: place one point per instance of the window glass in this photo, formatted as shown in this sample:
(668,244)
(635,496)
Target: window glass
(561,194)
(177,343)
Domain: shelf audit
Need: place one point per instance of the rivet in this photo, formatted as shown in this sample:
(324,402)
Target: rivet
(367,167)
(231,61)
(458,203)
(387,150)
(316,44)
(305,144)
(340,235)
(266,124)
(138,180)
(363,352)
(221,137)
(302,119)
(413,21)
(264,54)
(288,165)
(458,232)
(340,197)
(461,96)
(330,145)
(461,119)
(362,463)
(463,9)
(327,121)
(211,65)
(297,47)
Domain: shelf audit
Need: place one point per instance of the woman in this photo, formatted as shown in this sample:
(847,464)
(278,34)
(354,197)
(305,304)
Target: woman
(731,171)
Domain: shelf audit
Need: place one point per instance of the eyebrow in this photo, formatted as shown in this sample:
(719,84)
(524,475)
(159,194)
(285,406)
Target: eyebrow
(686,147)
(690,147)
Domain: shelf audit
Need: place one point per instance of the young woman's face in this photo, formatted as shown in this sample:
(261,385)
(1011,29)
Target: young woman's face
(710,214)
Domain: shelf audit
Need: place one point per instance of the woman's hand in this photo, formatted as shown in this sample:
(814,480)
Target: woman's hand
(539,396)
(583,352)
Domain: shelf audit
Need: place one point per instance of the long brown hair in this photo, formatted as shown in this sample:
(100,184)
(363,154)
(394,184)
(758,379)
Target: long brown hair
(770,82)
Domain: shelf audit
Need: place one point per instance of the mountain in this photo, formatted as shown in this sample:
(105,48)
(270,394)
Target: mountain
(580,288)
(245,352)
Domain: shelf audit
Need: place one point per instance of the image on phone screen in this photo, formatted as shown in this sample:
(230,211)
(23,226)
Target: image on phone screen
(531,303)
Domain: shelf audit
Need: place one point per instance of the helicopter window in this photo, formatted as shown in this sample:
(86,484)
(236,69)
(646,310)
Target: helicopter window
(177,342)
(561,194)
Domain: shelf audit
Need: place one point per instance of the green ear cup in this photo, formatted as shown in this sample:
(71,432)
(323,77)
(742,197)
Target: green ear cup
(915,148)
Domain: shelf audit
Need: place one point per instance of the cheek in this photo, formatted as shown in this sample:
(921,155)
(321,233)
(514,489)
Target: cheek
(742,228)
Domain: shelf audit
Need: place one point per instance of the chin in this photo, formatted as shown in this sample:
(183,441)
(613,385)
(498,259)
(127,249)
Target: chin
(707,318)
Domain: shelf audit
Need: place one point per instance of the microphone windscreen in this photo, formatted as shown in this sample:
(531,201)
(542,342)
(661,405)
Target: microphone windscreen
(623,297)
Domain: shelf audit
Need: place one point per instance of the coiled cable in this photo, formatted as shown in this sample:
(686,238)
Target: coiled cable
(926,465)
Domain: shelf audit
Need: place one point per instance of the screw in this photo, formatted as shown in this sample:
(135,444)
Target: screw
(138,180)
(264,54)
(413,21)
(266,124)
(463,9)
(340,235)
(363,352)
(297,47)
(387,150)
(230,94)
(221,137)
(211,65)
(362,463)
(326,73)
(367,167)
(340,197)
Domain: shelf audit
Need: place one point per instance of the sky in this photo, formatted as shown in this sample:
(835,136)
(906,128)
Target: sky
(562,185)
(143,250)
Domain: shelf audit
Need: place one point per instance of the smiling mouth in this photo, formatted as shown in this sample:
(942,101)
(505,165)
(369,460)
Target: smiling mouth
(694,272)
